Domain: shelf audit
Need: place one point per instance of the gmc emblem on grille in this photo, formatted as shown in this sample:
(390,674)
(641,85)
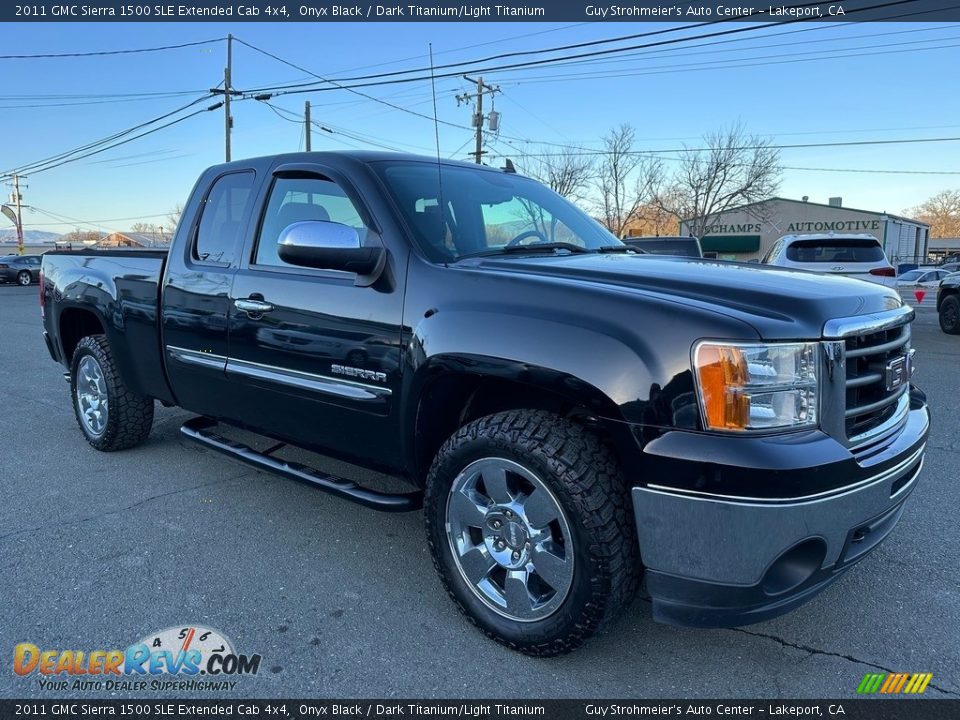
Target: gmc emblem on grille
(897,372)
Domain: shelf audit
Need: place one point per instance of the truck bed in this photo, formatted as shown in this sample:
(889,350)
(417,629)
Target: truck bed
(122,289)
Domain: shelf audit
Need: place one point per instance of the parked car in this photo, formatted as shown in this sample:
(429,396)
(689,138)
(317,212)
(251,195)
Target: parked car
(950,267)
(560,405)
(679,245)
(948,304)
(919,287)
(20,269)
(858,256)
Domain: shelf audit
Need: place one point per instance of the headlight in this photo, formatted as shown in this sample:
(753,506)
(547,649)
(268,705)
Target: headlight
(757,386)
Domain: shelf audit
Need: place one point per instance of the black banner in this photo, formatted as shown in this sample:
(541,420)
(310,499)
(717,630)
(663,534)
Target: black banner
(495,11)
(849,709)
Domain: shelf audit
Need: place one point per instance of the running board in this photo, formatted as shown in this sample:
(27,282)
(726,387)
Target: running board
(201,430)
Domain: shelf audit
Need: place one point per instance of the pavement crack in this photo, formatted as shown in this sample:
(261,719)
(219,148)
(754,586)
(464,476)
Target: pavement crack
(828,653)
(116,511)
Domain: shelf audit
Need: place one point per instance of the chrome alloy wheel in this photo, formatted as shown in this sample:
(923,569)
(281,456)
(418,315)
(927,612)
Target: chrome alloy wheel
(92,396)
(510,539)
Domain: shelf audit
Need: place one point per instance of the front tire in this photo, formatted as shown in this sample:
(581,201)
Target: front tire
(23,278)
(110,416)
(529,523)
(950,315)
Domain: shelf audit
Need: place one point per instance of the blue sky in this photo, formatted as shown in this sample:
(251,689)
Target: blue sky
(892,81)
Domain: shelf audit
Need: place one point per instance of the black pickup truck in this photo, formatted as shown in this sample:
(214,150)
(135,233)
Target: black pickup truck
(569,413)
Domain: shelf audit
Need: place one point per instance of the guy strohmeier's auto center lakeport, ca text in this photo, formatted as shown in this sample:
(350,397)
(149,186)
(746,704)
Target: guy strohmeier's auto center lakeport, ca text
(269,11)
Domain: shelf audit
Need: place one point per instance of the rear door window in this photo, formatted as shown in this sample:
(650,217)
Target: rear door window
(222,218)
(833,251)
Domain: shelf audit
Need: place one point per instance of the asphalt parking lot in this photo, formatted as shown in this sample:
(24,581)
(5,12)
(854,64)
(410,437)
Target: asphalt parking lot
(99,550)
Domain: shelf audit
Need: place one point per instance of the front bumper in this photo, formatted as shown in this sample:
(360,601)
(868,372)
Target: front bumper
(716,561)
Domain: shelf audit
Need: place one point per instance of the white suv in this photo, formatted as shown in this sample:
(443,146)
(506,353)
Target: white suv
(858,256)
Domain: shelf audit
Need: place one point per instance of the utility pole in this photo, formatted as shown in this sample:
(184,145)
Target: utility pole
(227,117)
(478,116)
(17,199)
(227,92)
(306,121)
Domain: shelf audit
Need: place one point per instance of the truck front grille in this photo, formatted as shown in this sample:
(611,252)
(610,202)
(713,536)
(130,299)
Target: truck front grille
(869,402)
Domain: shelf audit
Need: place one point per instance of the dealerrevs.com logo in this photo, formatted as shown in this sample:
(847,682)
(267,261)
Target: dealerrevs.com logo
(179,658)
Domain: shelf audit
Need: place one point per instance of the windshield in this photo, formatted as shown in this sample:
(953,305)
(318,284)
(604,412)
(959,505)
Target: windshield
(911,276)
(486,212)
(866,250)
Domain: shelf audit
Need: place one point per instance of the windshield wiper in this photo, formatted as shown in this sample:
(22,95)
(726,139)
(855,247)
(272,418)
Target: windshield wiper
(551,248)
(616,249)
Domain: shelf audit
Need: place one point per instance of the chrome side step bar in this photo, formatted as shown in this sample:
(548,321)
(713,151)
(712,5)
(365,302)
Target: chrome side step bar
(202,430)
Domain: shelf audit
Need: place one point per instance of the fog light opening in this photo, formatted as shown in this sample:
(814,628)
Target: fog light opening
(794,567)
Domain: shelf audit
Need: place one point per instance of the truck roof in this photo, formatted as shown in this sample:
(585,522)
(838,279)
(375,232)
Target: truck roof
(345,157)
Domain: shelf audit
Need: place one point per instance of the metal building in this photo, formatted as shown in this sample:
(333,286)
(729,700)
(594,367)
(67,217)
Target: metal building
(748,231)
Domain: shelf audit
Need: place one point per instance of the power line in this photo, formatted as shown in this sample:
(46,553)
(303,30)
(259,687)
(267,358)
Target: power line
(378,79)
(70,220)
(97,53)
(39,165)
(766,146)
(685,50)
(68,160)
(764,61)
(539,51)
(372,98)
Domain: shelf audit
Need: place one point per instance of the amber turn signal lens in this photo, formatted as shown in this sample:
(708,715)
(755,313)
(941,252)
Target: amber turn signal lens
(722,371)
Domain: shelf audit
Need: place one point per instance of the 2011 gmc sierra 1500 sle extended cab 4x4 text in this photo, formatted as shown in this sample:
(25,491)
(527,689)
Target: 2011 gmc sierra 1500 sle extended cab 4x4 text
(569,413)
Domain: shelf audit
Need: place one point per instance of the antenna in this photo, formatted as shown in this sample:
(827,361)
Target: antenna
(436,134)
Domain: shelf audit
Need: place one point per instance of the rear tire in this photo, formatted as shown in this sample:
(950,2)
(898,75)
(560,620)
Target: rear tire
(529,523)
(24,278)
(950,315)
(110,416)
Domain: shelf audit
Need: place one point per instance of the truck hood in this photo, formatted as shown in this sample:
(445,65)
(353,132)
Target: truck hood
(777,302)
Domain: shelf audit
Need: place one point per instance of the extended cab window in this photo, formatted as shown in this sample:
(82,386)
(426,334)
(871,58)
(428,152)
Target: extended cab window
(221,219)
(296,199)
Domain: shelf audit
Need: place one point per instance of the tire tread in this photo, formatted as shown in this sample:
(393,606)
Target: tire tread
(593,481)
(130,416)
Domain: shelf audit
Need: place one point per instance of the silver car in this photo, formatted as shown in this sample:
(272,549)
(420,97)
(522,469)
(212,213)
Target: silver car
(857,256)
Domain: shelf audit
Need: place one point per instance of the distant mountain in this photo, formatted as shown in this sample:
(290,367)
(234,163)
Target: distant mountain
(30,237)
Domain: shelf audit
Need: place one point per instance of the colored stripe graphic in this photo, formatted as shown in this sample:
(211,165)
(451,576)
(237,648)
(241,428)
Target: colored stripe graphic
(894,683)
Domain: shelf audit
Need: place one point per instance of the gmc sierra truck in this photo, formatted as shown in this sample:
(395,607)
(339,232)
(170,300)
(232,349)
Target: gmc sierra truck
(570,414)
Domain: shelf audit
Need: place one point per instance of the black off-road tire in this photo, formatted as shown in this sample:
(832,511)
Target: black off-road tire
(950,315)
(129,416)
(586,481)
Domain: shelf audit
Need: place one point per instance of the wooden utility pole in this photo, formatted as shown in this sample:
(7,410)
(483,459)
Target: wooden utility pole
(306,123)
(478,116)
(17,200)
(227,117)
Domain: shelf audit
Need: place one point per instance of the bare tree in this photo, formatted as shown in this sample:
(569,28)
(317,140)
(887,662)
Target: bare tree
(173,219)
(564,171)
(625,179)
(652,219)
(142,227)
(733,169)
(941,213)
(80,237)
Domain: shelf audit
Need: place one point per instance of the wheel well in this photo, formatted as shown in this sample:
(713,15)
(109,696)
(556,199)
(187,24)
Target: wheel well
(453,400)
(76,324)
(947,292)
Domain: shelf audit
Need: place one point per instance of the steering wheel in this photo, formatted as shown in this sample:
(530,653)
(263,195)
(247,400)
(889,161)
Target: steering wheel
(527,234)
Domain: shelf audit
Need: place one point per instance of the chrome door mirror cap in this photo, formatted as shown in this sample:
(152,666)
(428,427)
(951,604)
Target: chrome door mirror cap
(327,245)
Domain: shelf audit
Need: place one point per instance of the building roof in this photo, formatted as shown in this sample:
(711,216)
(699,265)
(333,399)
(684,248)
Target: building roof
(892,216)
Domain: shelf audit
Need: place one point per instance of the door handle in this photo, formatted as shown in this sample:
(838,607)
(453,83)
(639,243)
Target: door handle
(252,307)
